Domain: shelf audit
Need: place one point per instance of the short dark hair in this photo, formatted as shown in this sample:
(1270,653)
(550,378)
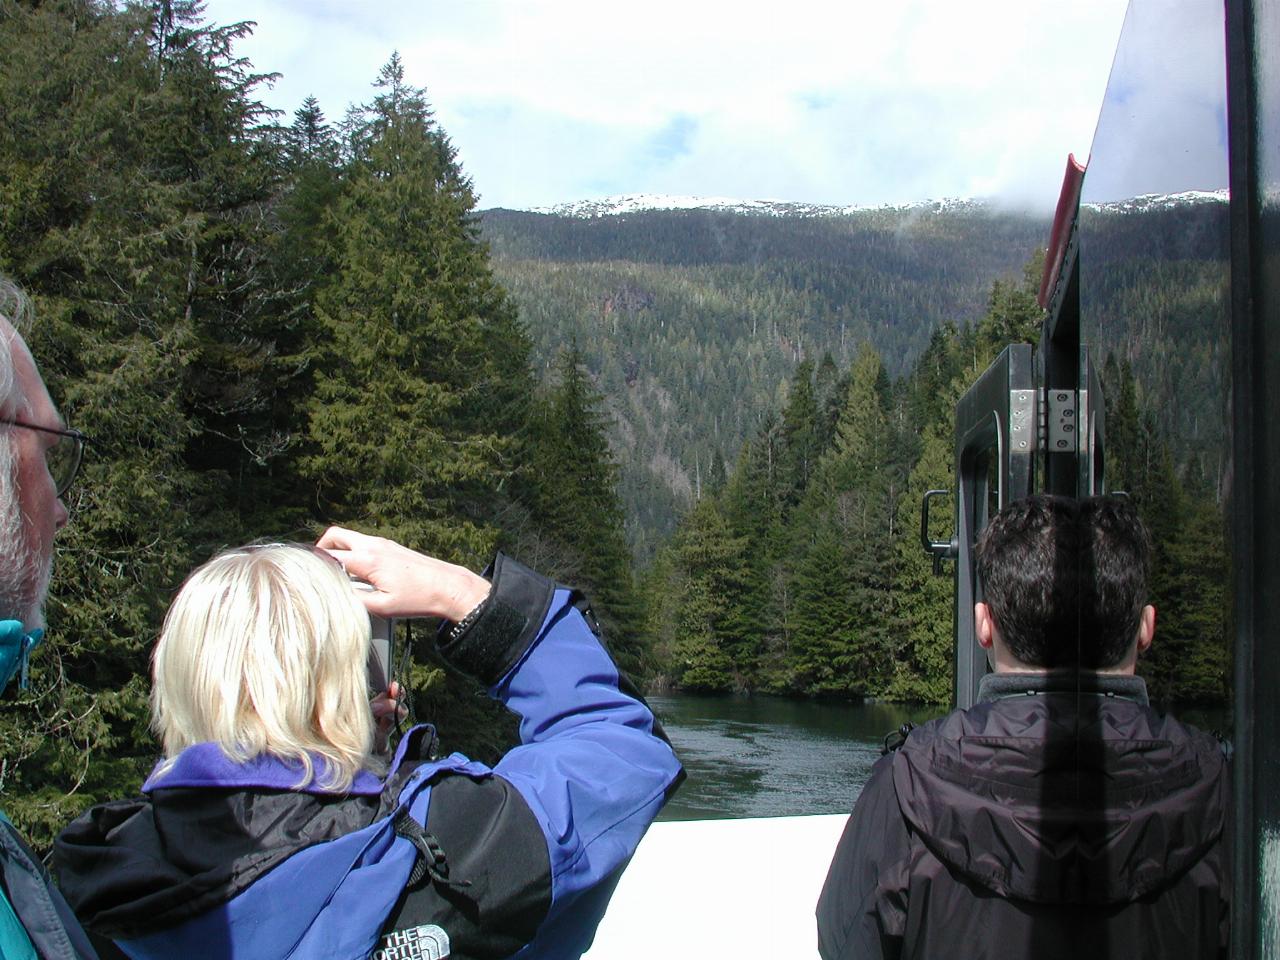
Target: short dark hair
(1066,579)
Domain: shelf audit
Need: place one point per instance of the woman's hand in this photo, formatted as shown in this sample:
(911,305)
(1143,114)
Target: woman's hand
(406,583)
(387,708)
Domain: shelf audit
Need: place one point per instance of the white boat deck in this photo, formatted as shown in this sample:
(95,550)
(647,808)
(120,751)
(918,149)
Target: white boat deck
(712,889)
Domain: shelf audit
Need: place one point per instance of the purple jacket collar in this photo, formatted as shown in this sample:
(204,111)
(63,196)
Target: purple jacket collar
(205,765)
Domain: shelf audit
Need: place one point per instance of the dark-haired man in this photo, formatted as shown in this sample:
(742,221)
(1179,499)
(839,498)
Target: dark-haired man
(1061,816)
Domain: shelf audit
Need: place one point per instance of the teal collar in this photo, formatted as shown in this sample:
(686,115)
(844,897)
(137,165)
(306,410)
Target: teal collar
(16,644)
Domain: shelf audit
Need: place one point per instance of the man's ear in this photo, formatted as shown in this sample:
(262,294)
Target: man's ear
(1146,628)
(983,625)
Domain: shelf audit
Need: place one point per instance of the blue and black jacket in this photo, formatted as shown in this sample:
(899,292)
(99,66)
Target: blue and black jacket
(219,859)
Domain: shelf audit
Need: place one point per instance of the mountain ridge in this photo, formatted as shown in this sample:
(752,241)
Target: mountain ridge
(630,203)
(623,204)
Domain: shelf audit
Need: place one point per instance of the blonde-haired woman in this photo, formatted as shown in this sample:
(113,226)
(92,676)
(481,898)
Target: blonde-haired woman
(261,655)
(273,828)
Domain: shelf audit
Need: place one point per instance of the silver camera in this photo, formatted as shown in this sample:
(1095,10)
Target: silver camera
(384,632)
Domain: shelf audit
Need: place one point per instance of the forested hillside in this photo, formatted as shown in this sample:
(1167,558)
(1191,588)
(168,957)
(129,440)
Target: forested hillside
(1154,291)
(802,573)
(693,321)
(785,385)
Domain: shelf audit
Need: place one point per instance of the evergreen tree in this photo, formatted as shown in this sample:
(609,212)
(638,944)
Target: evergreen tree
(712,576)
(931,379)
(1121,424)
(1013,313)
(411,426)
(830,390)
(842,575)
(1192,642)
(577,479)
(800,435)
(1189,659)
(310,139)
(752,505)
(924,621)
(129,183)
(826,655)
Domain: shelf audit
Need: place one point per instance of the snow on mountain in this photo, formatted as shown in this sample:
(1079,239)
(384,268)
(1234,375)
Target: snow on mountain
(644,202)
(1161,201)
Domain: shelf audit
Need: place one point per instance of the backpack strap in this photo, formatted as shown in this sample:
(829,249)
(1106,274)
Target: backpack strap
(431,862)
(410,814)
(897,738)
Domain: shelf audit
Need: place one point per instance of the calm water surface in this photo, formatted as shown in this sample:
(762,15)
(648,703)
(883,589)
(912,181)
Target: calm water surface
(770,757)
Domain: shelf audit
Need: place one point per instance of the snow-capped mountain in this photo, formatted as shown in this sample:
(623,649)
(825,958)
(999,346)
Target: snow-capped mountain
(1161,201)
(644,202)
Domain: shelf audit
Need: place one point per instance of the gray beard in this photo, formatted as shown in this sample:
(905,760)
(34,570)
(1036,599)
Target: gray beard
(23,580)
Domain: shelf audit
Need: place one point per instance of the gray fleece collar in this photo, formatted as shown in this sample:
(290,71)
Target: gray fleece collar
(1001,686)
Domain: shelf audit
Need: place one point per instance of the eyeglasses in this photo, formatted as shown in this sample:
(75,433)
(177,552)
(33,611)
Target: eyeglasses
(63,457)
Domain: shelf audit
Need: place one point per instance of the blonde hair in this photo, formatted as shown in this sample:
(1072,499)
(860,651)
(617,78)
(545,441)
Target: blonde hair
(263,651)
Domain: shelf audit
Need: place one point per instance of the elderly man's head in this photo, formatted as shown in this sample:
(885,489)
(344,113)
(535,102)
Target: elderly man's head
(30,509)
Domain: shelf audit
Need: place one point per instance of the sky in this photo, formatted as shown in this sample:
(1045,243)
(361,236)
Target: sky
(843,102)
(1163,123)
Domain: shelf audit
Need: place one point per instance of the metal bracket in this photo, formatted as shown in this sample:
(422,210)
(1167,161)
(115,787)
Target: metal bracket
(1022,421)
(1062,421)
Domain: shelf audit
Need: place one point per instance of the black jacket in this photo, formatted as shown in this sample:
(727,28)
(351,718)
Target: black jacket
(1043,822)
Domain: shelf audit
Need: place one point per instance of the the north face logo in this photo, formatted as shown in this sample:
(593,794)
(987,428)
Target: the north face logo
(427,942)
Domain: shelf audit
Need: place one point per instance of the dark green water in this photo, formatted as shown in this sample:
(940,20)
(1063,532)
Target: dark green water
(772,757)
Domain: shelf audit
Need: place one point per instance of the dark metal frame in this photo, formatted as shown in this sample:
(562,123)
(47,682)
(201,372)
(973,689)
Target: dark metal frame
(1255,501)
(998,416)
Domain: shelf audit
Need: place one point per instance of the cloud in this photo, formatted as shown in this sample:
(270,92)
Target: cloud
(853,102)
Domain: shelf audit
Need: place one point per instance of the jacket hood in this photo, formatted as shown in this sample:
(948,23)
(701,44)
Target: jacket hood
(205,830)
(132,867)
(1059,798)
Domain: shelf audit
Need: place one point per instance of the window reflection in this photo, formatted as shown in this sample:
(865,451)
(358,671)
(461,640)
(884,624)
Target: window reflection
(1154,309)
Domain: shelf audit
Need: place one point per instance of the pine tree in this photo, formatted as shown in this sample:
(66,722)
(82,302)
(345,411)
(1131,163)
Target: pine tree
(842,571)
(923,637)
(932,377)
(424,380)
(825,655)
(752,505)
(800,435)
(1121,424)
(577,478)
(711,579)
(1013,313)
(829,391)
(1192,643)
(131,179)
